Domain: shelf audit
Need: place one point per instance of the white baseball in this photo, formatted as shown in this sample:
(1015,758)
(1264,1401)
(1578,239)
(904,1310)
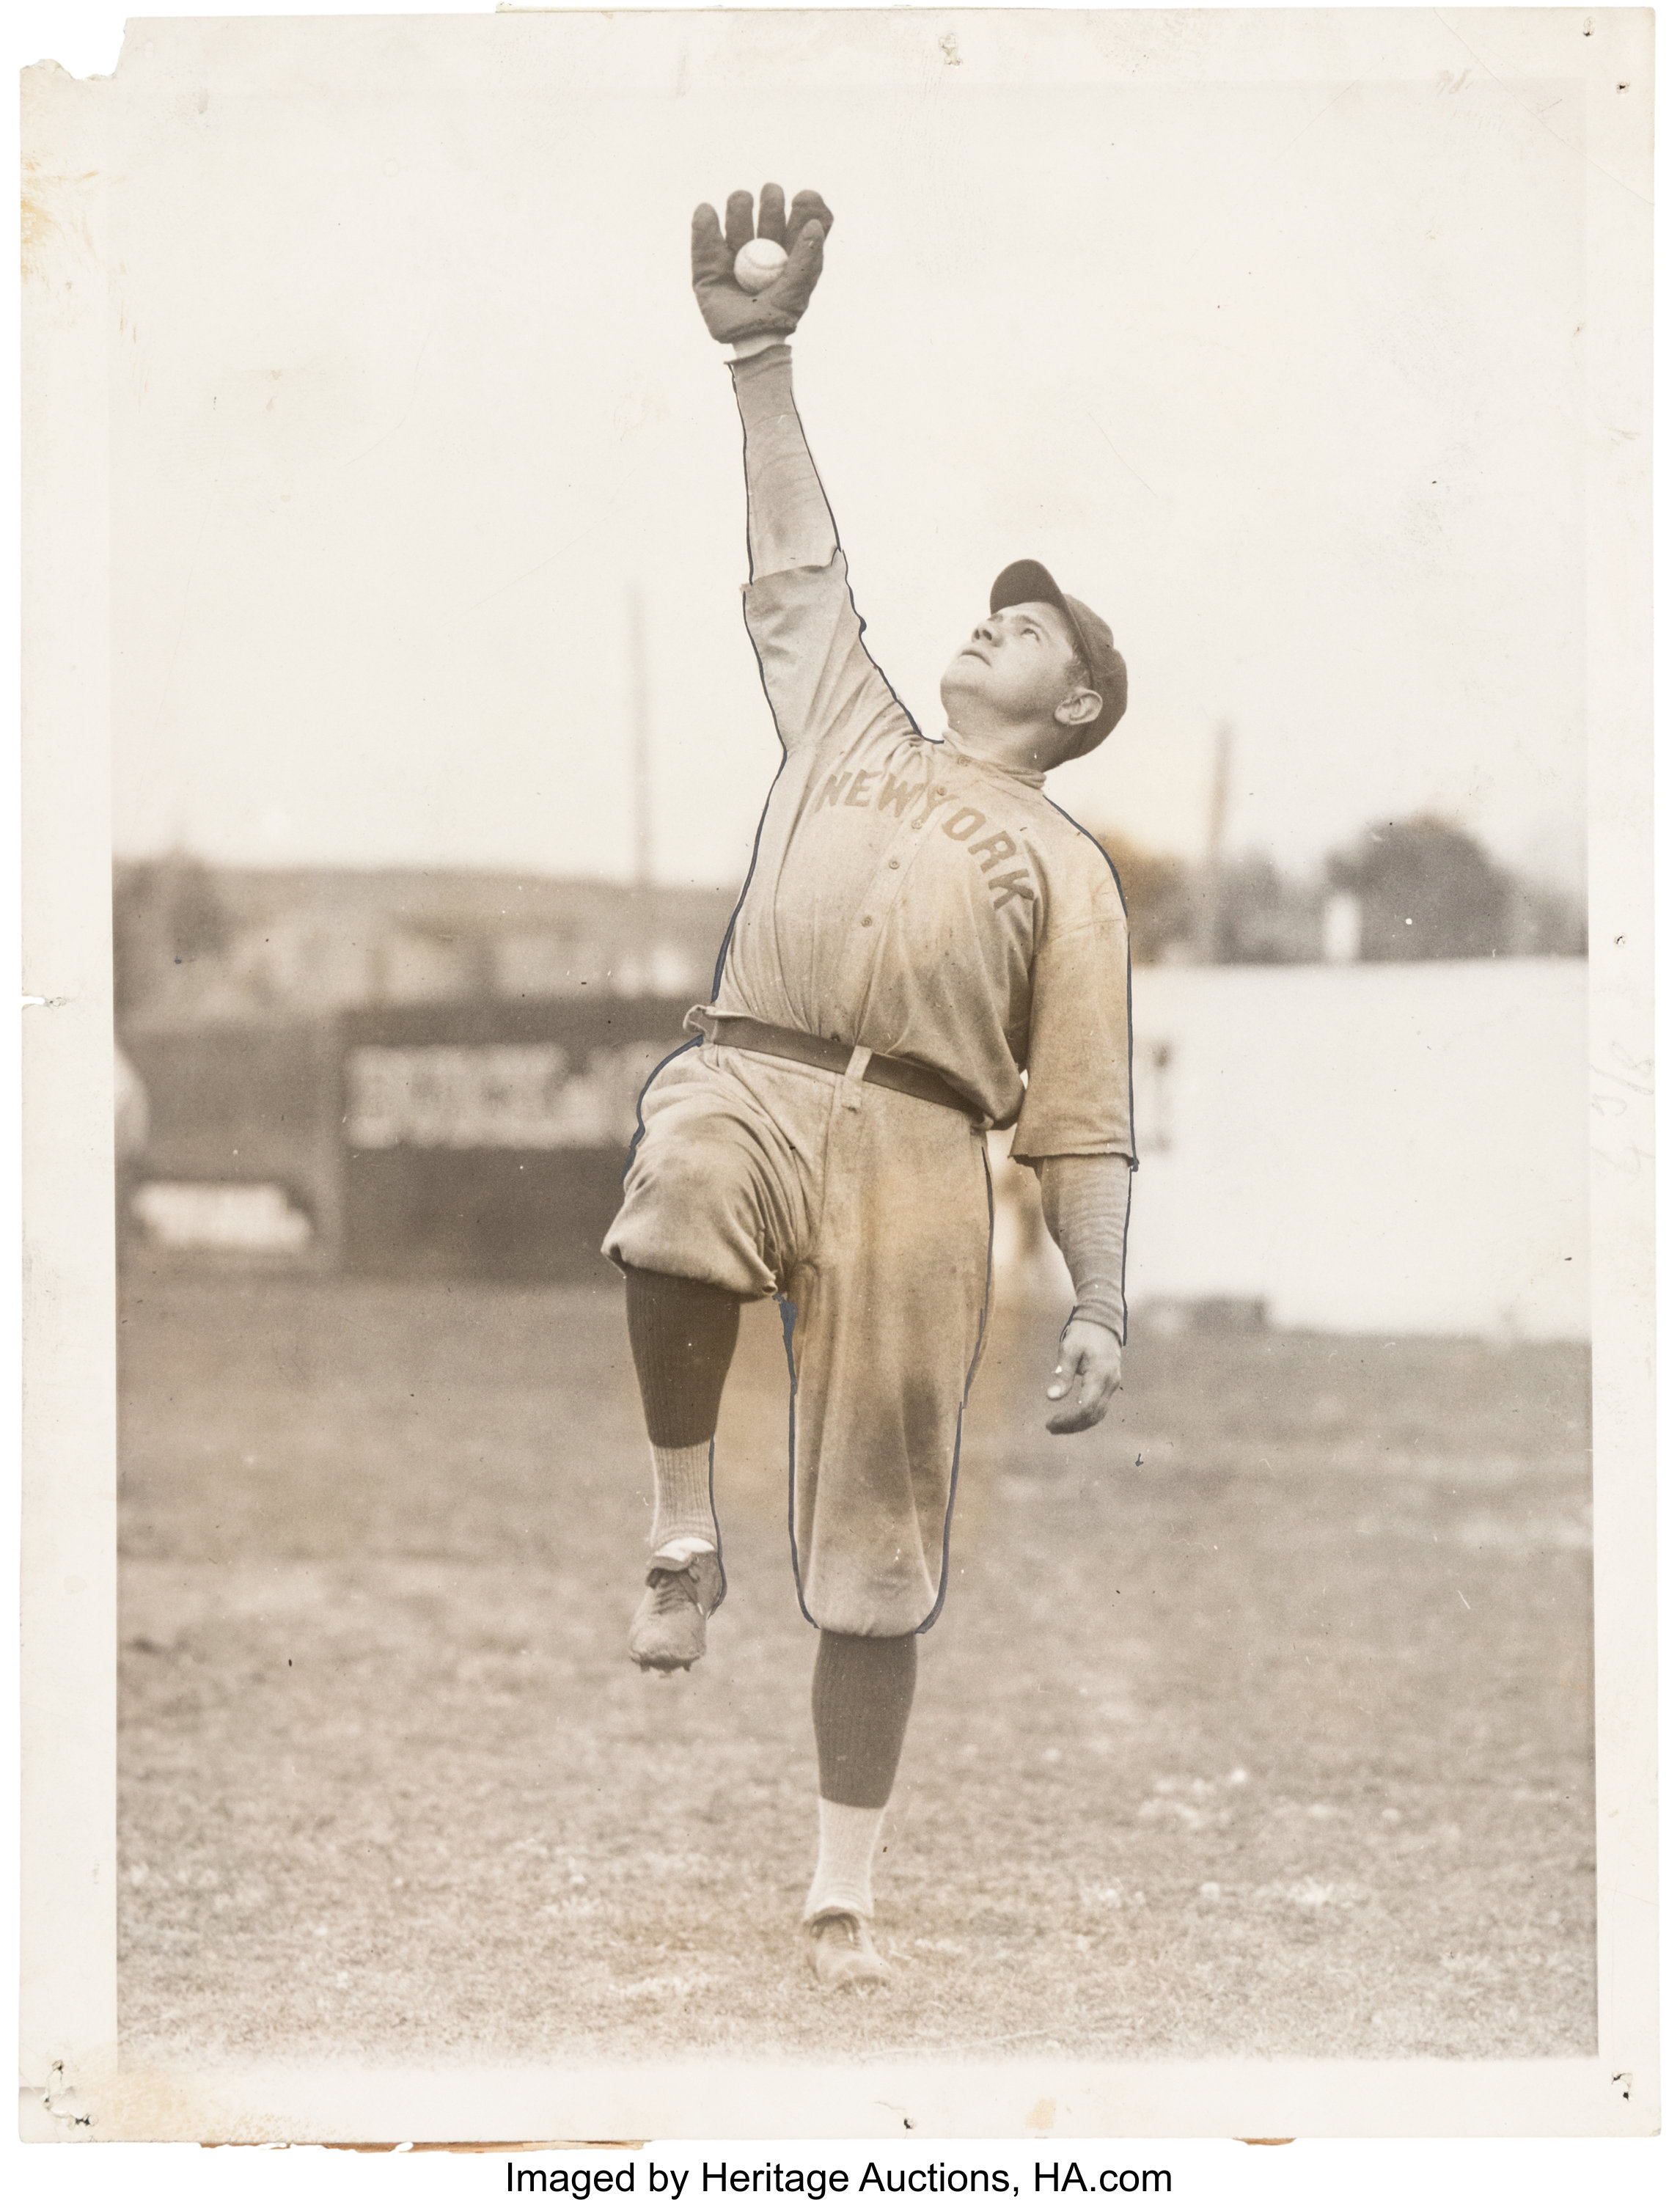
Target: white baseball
(758,264)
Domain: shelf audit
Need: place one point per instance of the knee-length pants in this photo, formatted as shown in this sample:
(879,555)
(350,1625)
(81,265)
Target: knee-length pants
(868,1213)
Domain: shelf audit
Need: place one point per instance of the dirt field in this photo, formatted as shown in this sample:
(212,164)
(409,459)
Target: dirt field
(1258,1721)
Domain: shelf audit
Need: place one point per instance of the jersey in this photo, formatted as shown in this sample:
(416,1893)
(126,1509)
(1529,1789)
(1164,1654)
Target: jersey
(911,897)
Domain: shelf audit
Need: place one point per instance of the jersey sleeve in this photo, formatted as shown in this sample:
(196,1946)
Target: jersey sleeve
(817,674)
(1078,1052)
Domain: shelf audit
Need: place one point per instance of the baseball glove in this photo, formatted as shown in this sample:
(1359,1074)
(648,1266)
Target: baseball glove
(731,313)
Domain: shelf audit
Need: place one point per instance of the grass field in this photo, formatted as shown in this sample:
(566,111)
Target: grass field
(1258,1721)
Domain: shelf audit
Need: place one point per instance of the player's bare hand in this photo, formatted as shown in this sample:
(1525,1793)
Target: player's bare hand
(1087,1375)
(731,313)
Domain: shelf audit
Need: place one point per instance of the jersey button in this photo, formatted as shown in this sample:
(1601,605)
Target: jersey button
(892,862)
(869,919)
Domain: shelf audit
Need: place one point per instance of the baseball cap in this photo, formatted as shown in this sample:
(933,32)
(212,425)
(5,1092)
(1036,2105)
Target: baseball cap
(1027,582)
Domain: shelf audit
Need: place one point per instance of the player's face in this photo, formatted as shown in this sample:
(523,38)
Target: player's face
(1017,666)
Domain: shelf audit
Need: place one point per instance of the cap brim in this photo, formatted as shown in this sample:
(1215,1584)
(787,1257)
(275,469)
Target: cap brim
(1027,582)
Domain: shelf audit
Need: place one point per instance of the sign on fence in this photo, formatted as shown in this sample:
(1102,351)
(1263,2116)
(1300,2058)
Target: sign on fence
(520,1098)
(489,1139)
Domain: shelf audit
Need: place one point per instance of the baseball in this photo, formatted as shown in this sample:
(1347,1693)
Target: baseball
(758,264)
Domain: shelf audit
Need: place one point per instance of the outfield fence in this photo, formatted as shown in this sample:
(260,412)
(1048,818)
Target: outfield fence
(1396,1148)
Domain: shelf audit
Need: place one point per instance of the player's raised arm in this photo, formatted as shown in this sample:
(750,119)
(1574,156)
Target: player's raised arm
(819,678)
(751,290)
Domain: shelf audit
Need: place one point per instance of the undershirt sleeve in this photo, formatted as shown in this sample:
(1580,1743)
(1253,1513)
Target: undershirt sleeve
(789,522)
(1087,1202)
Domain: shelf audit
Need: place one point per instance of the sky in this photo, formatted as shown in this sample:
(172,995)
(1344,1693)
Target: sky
(1268,334)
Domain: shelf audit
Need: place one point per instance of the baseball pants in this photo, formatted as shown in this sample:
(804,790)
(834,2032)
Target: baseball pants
(870,1213)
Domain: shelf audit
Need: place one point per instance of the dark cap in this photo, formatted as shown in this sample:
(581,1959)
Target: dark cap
(1027,582)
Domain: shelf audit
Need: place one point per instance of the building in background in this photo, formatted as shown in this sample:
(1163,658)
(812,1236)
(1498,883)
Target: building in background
(437,1074)
(195,944)
(510,1021)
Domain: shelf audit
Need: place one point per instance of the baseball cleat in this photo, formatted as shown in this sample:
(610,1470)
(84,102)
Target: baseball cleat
(840,1952)
(669,1629)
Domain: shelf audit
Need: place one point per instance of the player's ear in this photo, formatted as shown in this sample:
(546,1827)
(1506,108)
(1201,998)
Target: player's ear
(1079,709)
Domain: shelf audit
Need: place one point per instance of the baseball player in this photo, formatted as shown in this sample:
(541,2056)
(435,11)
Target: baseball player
(926,947)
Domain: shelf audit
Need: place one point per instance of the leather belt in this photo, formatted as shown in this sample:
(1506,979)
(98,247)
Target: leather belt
(898,1075)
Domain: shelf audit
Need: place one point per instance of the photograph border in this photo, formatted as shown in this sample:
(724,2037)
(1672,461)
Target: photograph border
(68,1590)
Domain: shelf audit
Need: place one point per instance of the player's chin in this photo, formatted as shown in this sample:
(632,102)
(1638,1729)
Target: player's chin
(963,675)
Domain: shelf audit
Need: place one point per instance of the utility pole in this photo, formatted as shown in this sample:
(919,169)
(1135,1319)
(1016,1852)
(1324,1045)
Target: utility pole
(642,795)
(1212,897)
(641,763)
